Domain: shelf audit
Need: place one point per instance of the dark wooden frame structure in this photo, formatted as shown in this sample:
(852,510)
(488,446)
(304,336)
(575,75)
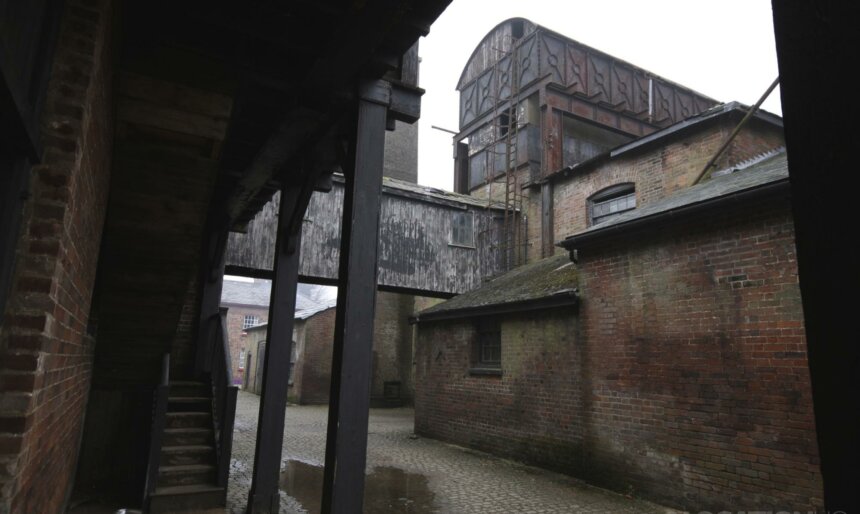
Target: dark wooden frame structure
(816,47)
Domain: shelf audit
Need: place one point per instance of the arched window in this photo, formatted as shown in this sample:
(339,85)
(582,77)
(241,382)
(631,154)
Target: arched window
(610,202)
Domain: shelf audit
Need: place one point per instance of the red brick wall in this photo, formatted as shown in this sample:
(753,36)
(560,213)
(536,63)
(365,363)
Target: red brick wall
(392,351)
(45,352)
(683,378)
(392,345)
(313,375)
(237,337)
(657,172)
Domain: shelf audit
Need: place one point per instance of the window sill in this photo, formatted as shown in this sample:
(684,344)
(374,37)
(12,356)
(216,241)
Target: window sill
(493,372)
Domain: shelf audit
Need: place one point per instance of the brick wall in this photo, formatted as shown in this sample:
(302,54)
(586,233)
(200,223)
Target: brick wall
(531,412)
(656,172)
(401,152)
(45,351)
(237,338)
(313,367)
(683,377)
(183,349)
(392,345)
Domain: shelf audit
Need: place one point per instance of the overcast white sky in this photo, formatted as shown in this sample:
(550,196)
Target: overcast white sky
(723,49)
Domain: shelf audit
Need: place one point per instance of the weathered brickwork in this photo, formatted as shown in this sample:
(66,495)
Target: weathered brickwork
(531,412)
(392,345)
(237,337)
(183,349)
(45,350)
(682,378)
(312,372)
(656,172)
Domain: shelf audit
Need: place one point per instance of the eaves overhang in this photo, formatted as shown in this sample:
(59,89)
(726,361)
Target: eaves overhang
(654,221)
(567,298)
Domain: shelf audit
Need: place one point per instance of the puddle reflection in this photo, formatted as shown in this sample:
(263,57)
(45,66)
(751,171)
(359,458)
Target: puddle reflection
(386,489)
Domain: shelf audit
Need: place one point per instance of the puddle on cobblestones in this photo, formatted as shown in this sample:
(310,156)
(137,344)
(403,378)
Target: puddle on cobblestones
(386,489)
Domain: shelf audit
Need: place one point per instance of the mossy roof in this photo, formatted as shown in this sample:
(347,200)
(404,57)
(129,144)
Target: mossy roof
(553,277)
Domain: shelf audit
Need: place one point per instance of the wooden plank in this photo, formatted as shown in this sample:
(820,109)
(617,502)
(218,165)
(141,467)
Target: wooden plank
(174,95)
(264,496)
(141,112)
(352,358)
(414,250)
(211,280)
(546,227)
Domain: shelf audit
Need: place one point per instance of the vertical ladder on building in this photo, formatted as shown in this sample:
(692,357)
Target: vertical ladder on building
(513,195)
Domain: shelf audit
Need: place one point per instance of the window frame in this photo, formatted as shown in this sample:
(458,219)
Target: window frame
(609,194)
(246,317)
(488,334)
(455,228)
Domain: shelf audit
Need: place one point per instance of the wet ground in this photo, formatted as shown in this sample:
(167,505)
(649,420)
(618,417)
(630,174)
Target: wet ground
(409,474)
(387,489)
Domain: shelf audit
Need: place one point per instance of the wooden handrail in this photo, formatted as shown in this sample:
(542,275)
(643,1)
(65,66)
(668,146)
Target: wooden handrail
(224,399)
(159,422)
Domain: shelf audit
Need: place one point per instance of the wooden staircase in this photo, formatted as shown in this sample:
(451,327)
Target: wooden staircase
(187,477)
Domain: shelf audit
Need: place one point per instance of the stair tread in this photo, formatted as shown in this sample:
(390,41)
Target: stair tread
(187,383)
(188,398)
(185,489)
(186,448)
(185,467)
(187,430)
(191,413)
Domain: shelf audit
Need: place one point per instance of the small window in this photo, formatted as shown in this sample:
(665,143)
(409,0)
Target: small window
(611,202)
(250,321)
(241,359)
(463,229)
(487,353)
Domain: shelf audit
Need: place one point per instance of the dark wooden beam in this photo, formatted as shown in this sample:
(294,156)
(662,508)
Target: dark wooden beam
(211,283)
(815,41)
(352,358)
(264,496)
(546,225)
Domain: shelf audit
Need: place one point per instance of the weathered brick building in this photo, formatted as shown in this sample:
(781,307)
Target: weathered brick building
(247,305)
(119,180)
(313,335)
(668,360)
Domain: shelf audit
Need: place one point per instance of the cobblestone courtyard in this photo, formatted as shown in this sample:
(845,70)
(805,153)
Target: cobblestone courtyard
(411,474)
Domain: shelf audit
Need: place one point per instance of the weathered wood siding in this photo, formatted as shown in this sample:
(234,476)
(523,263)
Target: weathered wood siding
(414,249)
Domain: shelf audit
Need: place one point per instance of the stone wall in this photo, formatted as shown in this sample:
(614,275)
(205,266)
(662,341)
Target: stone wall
(682,378)
(46,349)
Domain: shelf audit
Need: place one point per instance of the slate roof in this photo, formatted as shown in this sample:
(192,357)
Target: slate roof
(754,174)
(395,186)
(256,294)
(305,307)
(526,287)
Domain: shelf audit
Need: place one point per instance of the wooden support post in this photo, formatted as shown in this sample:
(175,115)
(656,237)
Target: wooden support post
(264,496)
(346,442)
(211,283)
(547,246)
